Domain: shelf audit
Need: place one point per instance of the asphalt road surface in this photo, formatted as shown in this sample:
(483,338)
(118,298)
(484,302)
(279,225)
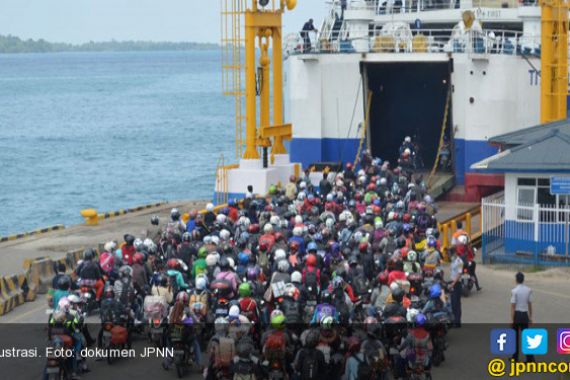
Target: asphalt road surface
(467,356)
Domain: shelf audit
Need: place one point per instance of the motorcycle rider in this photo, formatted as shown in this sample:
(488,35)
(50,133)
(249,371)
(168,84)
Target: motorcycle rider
(90,273)
(309,364)
(140,277)
(418,345)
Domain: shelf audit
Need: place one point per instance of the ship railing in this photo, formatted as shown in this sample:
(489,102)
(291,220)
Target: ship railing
(381,7)
(406,40)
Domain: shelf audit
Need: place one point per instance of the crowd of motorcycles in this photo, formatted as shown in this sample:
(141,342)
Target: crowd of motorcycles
(343,280)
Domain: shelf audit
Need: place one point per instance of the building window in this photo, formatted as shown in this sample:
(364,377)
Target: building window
(525,202)
(526,182)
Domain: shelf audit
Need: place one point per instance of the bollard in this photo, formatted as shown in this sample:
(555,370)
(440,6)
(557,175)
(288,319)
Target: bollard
(91,216)
(468,224)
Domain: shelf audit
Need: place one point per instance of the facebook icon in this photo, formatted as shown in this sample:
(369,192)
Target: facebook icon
(503,342)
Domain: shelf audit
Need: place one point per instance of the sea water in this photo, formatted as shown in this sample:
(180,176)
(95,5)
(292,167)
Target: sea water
(109,131)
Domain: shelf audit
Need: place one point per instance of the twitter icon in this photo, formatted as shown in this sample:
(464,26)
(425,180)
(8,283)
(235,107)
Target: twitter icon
(534,342)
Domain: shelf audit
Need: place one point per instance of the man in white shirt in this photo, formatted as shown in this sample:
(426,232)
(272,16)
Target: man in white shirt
(521,311)
(455,288)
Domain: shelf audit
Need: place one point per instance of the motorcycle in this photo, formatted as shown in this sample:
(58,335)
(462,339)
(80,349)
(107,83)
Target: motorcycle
(438,331)
(417,371)
(274,370)
(115,336)
(467,283)
(156,328)
(59,367)
(87,295)
(182,357)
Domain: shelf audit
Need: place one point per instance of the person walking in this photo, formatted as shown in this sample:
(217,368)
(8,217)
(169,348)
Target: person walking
(455,288)
(521,311)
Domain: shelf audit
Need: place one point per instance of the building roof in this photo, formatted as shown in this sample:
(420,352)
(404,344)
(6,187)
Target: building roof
(549,152)
(527,135)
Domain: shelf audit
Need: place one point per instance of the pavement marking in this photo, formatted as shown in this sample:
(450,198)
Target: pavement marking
(25,314)
(551,293)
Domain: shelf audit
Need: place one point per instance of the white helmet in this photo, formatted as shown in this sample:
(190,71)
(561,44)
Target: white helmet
(329,222)
(207,239)
(63,304)
(221,325)
(297,231)
(303,185)
(393,286)
(407,151)
(211,260)
(428,199)
(225,235)
(462,239)
(280,254)
(244,221)
(357,236)
(383,181)
(274,220)
(296,277)
(378,224)
(234,311)
(221,218)
(283,266)
(232,263)
(73,298)
(301,196)
(361,173)
(408,139)
(330,197)
(201,282)
(137,243)
(148,242)
(110,246)
(412,256)
(391,215)
(268,228)
(210,207)
(298,219)
(215,240)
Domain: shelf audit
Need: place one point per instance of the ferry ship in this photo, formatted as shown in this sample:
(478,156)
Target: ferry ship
(458,71)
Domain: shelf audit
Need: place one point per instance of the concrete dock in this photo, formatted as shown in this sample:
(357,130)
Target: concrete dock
(56,244)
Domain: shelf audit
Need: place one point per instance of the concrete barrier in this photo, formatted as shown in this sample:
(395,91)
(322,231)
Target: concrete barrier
(30,233)
(40,273)
(11,295)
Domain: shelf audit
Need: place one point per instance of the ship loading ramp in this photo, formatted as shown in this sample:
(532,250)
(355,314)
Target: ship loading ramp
(410,98)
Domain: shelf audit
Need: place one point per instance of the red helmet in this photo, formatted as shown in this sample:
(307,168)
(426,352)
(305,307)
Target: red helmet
(383,278)
(329,206)
(311,260)
(406,218)
(404,251)
(376,210)
(182,297)
(172,264)
(138,258)
(357,196)
(278,236)
(268,208)
(253,229)
(263,246)
(371,187)
(363,247)
(348,166)
(294,246)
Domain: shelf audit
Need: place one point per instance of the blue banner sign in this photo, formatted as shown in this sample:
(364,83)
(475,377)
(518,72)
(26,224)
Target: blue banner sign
(559,185)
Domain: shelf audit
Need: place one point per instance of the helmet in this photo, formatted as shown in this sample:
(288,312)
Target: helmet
(272,189)
(283,266)
(303,185)
(138,258)
(245,289)
(210,207)
(296,277)
(383,278)
(125,271)
(243,258)
(408,139)
(225,235)
(435,291)
(298,219)
(221,325)
(462,239)
(274,220)
(312,339)
(420,319)
(244,222)
(312,246)
(221,218)
(252,273)
(64,283)
(363,247)
(353,260)
(201,282)
(182,297)
(280,254)
(174,214)
(63,304)
(278,321)
(224,263)
(215,240)
(73,298)
(234,312)
(253,229)
(268,228)
(88,254)
(353,344)
(401,242)
(211,260)
(202,252)
(109,292)
(172,264)
(412,256)
(138,243)
(327,322)
(431,242)
(301,196)
(311,260)
(378,223)
(110,246)
(129,239)
(297,231)
(398,295)
(326,297)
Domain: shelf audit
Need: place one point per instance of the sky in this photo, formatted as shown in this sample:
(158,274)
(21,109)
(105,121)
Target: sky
(78,21)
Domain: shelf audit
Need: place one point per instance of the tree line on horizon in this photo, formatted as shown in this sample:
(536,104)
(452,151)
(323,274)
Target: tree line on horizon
(12,44)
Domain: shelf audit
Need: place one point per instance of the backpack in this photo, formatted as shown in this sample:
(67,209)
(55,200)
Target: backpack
(171,230)
(199,302)
(364,369)
(275,346)
(291,310)
(310,366)
(263,260)
(224,352)
(244,370)
(390,245)
(311,279)
(360,285)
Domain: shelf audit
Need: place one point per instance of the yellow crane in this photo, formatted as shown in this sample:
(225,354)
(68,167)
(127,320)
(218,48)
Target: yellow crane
(554,60)
(262,31)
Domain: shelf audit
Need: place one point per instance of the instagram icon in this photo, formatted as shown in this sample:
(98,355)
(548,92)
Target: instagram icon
(563,341)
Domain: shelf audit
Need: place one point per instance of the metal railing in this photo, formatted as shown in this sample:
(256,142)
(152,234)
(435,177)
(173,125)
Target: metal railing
(525,233)
(471,224)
